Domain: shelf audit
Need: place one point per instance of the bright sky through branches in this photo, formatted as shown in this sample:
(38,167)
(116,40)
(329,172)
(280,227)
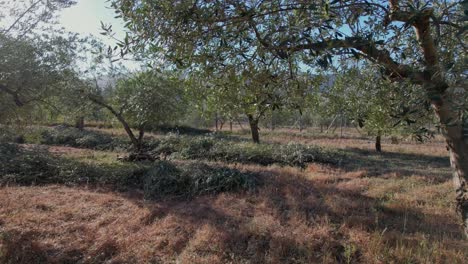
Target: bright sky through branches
(86,16)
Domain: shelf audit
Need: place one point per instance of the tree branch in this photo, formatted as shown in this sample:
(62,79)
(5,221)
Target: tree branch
(21,16)
(420,20)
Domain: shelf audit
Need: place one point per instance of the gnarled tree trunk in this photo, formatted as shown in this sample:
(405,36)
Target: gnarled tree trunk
(455,131)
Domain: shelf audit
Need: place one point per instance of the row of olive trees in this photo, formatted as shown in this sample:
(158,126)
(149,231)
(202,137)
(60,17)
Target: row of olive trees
(257,56)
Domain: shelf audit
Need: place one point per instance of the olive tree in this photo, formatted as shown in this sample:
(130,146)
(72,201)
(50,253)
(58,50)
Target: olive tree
(376,104)
(142,102)
(33,70)
(35,64)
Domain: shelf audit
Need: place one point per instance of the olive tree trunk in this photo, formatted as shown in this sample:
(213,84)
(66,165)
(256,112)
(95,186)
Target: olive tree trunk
(79,122)
(455,131)
(378,142)
(136,142)
(253,122)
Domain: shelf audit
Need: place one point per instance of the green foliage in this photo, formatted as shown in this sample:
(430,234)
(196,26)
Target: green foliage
(164,178)
(149,99)
(376,104)
(25,167)
(34,69)
(217,148)
(64,136)
(9,134)
(214,147)
(68,136)
(31,166)
(36,166)
(180,129)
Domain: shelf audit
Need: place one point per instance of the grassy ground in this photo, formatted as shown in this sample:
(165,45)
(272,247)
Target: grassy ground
(394,207)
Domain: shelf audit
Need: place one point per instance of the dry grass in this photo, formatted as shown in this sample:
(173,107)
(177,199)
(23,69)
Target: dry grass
(398,213)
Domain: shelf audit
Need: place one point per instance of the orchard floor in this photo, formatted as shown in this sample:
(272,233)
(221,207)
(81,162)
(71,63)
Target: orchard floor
(394,207)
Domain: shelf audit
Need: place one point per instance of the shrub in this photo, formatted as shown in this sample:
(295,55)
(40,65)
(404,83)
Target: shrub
(246,153)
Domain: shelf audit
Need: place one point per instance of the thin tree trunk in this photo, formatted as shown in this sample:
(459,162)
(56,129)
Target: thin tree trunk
(119,117)
(240,124)
(230,125)
(253,122)
(128,130)
(455,132)
(221,124)
(79,122)
(331,124)
(272,122)
(141,133)
(341,126)
(378,144)
(301,125)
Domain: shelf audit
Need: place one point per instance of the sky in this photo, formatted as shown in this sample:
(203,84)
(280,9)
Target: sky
(85,18)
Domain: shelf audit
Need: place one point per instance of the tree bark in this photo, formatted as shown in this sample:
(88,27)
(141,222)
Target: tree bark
(331,124)
(253,122)
(455,131)
(119,117)
(378,144)
(221,124)
(301,125)
(341,128)
(240,124)
(272,122)
(128,130)
(141,133)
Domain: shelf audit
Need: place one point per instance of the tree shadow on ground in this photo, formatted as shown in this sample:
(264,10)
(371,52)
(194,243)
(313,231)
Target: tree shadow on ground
(273,222)
(287,217)
(435,168)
